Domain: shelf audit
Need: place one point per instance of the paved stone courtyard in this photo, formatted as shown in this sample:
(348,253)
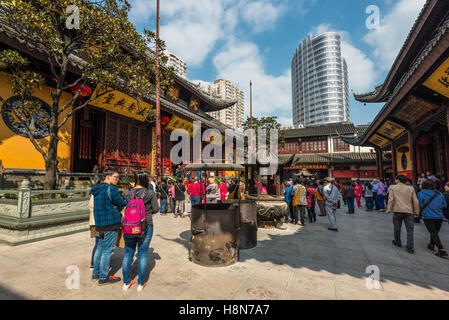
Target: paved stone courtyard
(299,263)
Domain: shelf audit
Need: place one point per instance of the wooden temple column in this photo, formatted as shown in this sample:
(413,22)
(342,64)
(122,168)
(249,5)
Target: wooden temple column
(379,164)
(412,146)
(393,159)
(446,142)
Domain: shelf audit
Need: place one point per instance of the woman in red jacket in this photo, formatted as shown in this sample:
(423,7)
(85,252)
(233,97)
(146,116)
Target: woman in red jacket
(311,197)
(358,193)
(195,191)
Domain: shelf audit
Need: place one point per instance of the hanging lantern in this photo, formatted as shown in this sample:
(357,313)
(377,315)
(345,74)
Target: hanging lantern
(403,149)
(85,92)
(165,120)
(388,155)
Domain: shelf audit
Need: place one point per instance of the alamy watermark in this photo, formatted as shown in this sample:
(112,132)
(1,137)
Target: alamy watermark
(73,20)
(255,150)
(373,20)
(373,280)
(73,280)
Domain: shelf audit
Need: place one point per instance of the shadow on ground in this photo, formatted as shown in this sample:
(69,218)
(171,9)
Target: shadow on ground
(8,294)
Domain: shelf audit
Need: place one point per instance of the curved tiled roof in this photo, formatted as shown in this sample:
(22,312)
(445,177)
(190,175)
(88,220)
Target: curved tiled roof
(338,157)
(332,129)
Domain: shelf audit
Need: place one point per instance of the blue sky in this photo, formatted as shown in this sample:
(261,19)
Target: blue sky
(256,39)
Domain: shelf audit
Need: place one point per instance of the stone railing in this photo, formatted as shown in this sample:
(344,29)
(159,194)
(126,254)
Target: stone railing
(29,215)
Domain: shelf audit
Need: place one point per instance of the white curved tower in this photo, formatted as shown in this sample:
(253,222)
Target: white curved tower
(319,81)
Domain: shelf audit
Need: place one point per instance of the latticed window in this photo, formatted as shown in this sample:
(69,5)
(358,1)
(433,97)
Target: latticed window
(340,145)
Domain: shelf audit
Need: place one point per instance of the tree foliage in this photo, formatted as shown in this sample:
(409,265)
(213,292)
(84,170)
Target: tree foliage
(106,49)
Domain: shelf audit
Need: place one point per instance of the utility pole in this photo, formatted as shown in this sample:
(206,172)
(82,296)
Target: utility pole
(158,101)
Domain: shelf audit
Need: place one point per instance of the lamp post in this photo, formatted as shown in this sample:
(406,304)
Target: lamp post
(158,101)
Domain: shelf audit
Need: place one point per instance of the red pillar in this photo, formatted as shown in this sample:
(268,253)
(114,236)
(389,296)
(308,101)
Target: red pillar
(412,146)
(446,143)
(393,159)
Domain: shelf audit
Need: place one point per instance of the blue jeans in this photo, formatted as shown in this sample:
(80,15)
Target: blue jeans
(143,243)
(380,201)
(163,205)
(350,202)
(102,257)
(93,250)
(195,200)
(369,203)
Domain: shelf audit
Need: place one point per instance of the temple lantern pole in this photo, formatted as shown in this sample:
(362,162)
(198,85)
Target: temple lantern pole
(158,101)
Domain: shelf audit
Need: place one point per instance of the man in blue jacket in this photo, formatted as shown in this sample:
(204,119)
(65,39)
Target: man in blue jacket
(433,203)
(288,201)
(108,220)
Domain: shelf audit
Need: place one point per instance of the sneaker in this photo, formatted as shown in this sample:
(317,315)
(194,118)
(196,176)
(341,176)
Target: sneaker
(396,244)
(382,210)
(411,251)
(109,280)
(127,286)
(441,253)
(95,277)
(332,229)
(431,247)
(175,216)
(182,217)
(91,267)
(140,287)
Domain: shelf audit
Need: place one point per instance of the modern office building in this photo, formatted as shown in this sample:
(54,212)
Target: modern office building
(224,89)
(177,63)
(319,81)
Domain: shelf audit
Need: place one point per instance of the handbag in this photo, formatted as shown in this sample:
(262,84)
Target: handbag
(418,220)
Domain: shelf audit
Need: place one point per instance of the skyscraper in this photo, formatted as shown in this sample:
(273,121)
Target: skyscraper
(224,89)
(319,81)
(177,63)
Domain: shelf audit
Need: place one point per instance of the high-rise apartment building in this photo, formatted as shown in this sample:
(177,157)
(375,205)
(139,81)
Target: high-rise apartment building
(224,89)
(177,63)
(319,81)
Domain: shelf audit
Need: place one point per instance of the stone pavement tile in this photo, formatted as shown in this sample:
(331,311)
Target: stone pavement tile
(313,269)
(214,286)
(358,264)
(357,290)
(310,287)
(317,257)
(397,272)
(264,272)
(438,280)
(348,275)
(412,289)
(259,289)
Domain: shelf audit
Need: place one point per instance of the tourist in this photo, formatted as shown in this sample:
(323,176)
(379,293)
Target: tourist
(439,183)
(212,192)
(432,204)
(387,186)
(331,197)
(164,197)
(446,197)
(369,196)
(380,197)
(320,198)
(358,193)
(430,176)
(375,184)
(421,179)
(152,185)
(223,188)
(302,202)
(107,200)
(171,193)
(311,196)
(195,190)
(349,195)
(93,232)
(233,189)
(295,196)
(404,205)
(288,200)
(141,241)
(180,198)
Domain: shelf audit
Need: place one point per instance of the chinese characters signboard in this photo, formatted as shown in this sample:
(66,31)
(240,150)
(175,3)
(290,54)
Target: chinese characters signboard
(122,104)
(439,80)
(378,140)
(391,129)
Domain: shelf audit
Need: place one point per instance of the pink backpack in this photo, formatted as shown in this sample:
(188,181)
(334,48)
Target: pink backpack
(134,216)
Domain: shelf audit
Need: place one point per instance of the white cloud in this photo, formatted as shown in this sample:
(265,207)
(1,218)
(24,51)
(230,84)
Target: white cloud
(261,15)
(362,73)
(240,63)
(392,33)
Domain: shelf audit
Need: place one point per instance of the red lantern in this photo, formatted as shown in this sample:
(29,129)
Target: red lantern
(85,92)
(389,155)
(403,149)
(165,120)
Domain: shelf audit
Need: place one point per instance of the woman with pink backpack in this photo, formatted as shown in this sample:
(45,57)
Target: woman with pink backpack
(137,233)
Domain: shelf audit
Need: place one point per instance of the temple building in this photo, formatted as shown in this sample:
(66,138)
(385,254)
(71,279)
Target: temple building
(413,124)
(322,151)
(113,131)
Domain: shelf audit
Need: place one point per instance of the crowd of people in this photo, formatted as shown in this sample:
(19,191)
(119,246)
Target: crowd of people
(113,214)
(428,200)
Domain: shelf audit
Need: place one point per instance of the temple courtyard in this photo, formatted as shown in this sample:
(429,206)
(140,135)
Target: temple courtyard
(298,263)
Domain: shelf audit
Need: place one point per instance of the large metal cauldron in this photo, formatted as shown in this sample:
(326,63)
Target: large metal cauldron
(248,222)
(214,235)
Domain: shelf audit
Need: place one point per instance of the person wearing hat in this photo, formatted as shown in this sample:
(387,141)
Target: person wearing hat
(331,197)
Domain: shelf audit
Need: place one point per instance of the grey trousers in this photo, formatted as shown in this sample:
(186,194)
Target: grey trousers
(331,211)
(409,221)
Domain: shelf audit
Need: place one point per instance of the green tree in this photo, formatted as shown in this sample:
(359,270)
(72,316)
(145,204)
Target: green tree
(106,49)
(266,124)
